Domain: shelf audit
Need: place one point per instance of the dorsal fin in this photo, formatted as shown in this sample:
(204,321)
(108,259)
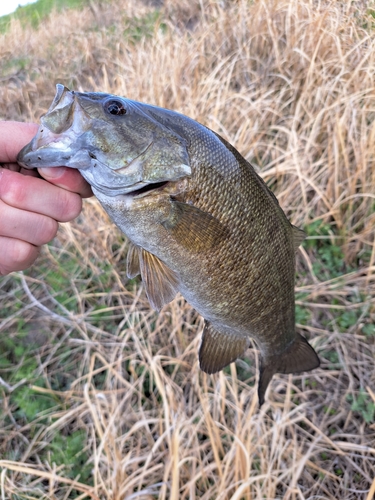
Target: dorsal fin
(193,228)
(132,261)
(298,357)
(298,236)
(161,283)
(217,349)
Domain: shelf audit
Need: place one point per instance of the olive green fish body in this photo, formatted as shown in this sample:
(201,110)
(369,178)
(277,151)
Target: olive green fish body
(199,219)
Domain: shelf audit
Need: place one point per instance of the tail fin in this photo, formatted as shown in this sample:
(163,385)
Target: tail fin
(298,357)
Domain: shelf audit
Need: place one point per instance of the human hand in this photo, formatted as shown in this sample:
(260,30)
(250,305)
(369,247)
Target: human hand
(31,207)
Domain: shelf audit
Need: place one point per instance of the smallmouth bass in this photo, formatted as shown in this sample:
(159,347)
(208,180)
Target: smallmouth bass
(199,219)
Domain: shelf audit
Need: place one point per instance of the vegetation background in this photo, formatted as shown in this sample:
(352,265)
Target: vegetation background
(100,396)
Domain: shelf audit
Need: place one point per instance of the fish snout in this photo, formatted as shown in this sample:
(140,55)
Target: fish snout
(57,141)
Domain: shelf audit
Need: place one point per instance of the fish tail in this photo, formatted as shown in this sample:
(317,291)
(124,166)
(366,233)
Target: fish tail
(297,357)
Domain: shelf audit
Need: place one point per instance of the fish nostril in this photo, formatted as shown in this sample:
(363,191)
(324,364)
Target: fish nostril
(91,155)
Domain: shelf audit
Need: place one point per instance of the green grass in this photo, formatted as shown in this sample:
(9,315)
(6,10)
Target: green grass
(138,28)
(33,14)
(32,408)
(363,405)
(327,244)
(96,385)
(68,451)
(35,403)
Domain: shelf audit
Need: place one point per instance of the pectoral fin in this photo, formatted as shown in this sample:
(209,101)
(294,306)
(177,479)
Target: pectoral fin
(217,350)
(161,283)
(192,228)
(132,261)
(298,357)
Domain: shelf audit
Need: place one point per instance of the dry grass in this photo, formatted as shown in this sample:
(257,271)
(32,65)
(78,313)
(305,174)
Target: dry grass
(289,83)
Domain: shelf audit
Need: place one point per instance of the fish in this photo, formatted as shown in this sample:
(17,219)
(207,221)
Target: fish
(199,219)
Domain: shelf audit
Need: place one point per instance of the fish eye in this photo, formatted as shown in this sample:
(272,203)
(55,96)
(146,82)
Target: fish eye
(115,107)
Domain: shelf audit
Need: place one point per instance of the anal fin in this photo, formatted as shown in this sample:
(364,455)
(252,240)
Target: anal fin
(298,357)
(160,282)
(217,349)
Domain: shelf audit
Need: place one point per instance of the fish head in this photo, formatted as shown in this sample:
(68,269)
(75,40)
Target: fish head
(117,144)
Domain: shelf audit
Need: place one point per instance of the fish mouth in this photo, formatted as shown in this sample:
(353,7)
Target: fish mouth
(148,189)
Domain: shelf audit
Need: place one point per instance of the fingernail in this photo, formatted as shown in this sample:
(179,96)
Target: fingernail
(51,172)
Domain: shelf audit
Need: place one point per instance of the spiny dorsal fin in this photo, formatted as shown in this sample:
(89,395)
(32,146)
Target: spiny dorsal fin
(297,357)
(298,236)
(132,261)
(161,283)
(194,229)
(217,350)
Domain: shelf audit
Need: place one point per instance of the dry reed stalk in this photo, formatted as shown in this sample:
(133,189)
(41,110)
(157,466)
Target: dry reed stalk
(291,85)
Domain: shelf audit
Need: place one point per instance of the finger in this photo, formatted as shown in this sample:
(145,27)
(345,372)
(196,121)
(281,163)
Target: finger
(13,137)
(30,172)
(14,167)
(67,178)
(37,195)
(33,228)
(16,255)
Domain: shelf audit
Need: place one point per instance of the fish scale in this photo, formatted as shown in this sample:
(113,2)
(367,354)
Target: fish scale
(249,274)
(199,219)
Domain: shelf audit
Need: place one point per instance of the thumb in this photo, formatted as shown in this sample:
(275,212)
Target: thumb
(67,178)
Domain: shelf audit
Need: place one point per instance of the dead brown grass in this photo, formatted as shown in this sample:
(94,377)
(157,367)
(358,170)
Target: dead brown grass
(291,84)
